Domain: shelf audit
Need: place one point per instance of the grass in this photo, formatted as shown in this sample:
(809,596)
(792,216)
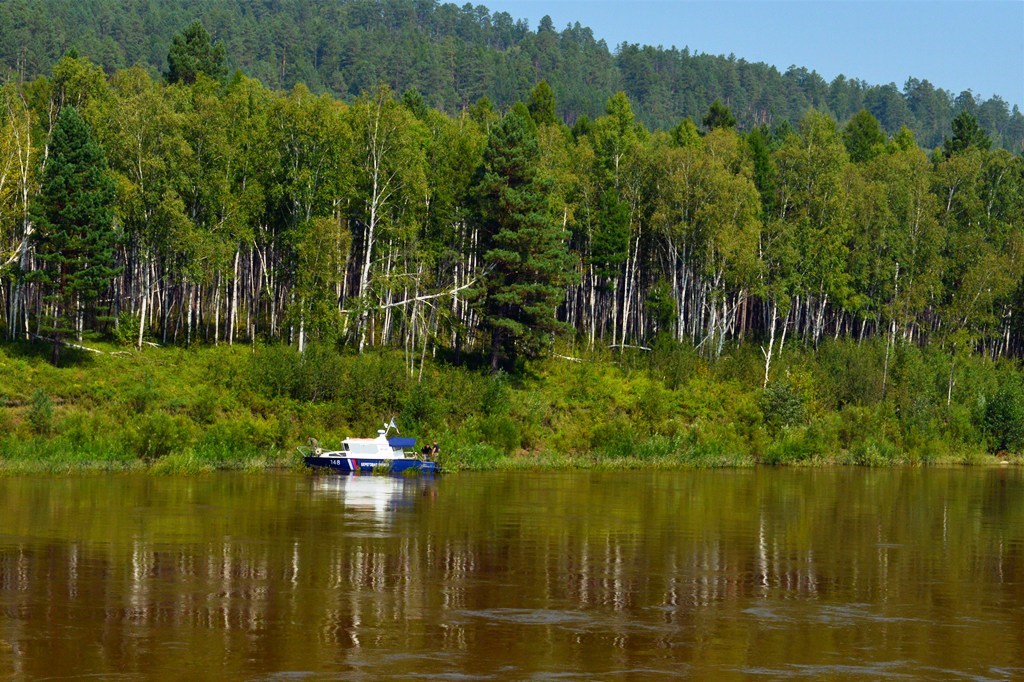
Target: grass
(185,411)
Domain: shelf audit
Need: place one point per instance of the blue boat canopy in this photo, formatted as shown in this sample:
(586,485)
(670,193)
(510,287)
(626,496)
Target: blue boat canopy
(401,442)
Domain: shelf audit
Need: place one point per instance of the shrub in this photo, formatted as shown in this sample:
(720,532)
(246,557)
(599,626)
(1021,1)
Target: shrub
(421,411)
(501,432)
(157,435)
(613,438)
(143,395)
(320,373)
(495,399)
(40,413)
(126,331)
(874,452)
(476,456)
(205,406)
(794,446)
(274,371)
(782,405)
(1004,417)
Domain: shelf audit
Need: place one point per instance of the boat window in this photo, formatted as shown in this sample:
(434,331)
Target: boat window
(345,447)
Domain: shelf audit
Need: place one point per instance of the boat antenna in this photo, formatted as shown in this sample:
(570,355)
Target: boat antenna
(392,425)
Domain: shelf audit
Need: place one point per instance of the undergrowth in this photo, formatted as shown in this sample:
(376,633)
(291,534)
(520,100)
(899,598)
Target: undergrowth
(176,410)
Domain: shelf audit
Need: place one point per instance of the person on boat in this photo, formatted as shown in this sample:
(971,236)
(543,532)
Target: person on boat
(435,450)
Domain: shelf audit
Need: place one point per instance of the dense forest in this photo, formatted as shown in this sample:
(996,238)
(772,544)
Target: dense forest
(703,295)
(189,208)
(455,55)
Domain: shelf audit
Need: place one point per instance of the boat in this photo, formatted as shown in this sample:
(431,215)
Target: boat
(382,454)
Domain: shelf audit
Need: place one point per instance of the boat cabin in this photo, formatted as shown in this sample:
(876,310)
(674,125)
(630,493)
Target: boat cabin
(380,447)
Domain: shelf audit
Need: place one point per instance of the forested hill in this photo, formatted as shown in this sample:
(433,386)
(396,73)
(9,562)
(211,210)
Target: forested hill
(456,55)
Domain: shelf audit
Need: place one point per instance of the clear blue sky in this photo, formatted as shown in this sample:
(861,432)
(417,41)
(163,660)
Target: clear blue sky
(975,45)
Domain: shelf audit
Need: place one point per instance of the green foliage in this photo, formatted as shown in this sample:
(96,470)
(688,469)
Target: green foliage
(40,413)
(864,137)
(456,55)
(192,54)
(1004,417)
(593,413)
(501,432)
(524,248)
(126,331)
(157,434)
(542,104)
(783,405)
(792,447)
(966,134)
(718,116)
(74,235)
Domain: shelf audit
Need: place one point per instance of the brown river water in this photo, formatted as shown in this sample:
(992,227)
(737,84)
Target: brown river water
(904,574)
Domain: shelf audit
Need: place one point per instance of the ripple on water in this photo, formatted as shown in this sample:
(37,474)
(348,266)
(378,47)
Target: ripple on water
(890,670)
(529,616)
(836,615)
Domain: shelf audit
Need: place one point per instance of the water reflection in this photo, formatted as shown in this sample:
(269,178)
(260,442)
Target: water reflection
(377,494)
(851,573)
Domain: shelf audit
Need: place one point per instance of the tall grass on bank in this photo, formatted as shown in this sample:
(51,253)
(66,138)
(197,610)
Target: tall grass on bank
(176,410)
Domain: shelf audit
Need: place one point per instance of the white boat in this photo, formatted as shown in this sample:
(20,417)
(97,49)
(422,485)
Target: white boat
(385,454)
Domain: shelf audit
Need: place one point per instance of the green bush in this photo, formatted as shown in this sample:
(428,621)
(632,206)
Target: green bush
(793,447)
(782,405)
(143,395)
(40,413)
(874,452)
(205,407)
(613,439)
(320,374)
(476,456)
(157,434)
(495,398)
(421,412)
(126,331)
(1004,417)
(274,371)
(501,432)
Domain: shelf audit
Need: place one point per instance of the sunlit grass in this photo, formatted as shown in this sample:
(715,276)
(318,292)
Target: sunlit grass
(188,411)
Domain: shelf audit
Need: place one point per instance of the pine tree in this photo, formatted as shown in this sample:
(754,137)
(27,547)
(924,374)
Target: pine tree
(542,104)
(74,237)
(524,249)
(192,54)
(719,116)
(863,137)
(966,134)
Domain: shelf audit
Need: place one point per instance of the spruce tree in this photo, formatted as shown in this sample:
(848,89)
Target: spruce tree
(719,116)
(74,235)
(863,137)
(966,134)
(525,253)
(192,53)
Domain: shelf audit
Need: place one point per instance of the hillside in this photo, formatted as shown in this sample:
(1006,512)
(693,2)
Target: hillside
(456,55)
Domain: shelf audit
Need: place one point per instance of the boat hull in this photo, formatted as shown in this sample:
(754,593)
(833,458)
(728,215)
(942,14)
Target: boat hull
(367,465)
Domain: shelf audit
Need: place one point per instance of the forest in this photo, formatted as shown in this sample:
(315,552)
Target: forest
(455,55)
(205,208)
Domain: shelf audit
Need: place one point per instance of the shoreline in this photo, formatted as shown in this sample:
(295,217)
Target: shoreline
(186,466)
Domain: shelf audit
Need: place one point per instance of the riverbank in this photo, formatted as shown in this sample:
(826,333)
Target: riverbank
(175,410)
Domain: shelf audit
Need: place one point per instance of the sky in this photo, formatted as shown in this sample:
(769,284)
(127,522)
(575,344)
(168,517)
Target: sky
(957,45)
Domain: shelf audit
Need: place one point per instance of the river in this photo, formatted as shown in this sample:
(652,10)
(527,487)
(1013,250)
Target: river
(728,574)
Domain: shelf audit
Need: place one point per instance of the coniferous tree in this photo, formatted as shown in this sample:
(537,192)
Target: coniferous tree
(525,249)
(542,104)
(74,237)
(719,116)
(966,134)
(863,137)
(192,54)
